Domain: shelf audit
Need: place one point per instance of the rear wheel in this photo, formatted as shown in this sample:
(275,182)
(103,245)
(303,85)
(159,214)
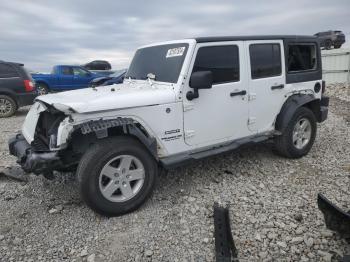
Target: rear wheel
(8,106)
(42,89)
(337,46)
(116,176)
(299,136)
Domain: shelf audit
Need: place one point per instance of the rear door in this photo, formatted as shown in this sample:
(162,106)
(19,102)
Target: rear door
(266,83)
(65,78)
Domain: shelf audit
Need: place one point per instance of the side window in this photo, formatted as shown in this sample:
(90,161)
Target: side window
(67,70)
(265,60)
(79,72)
(7,71)
(222,61)
(301,57)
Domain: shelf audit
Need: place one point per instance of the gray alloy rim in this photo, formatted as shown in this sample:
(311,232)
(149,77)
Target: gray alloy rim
(302,133)
(5,106)
(121,178)
(41,90)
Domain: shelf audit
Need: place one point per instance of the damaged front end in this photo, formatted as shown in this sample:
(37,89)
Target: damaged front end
(53,140)
(35,147)
(31,161)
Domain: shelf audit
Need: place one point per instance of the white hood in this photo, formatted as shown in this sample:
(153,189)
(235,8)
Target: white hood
(126,95)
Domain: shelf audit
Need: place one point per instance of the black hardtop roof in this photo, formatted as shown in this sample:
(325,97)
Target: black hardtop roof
(12,63)
(255,37)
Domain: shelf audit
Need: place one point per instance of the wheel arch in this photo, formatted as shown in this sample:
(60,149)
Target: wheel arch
(292,104)
(9,94)
(92,131)
(41,81)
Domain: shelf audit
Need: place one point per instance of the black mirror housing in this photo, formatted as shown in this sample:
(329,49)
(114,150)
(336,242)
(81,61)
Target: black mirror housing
(201,80)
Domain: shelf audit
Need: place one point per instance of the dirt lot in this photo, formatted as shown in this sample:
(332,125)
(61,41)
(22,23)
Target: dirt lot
(272,201)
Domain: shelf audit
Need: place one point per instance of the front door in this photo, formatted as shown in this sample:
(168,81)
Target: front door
(266,83)
(219,114)
(81,78)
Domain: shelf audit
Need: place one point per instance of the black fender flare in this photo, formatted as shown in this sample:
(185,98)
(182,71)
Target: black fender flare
(129,127)
(291,105)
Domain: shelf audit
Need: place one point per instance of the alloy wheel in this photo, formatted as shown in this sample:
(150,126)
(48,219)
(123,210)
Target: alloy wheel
(121,178)
(5,106)
(302,133)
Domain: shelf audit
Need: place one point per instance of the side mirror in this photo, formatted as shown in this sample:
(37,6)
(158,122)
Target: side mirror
(199,80)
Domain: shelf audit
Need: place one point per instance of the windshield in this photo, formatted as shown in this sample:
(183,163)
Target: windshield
(164,61)
(118,73)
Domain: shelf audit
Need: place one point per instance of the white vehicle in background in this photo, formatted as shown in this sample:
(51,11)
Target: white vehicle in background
(180,100)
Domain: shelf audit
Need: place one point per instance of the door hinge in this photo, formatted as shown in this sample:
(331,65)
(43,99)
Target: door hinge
(189,133)
(188,107)
(251,120)
(251,96)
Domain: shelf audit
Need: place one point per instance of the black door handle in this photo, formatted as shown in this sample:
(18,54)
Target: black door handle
(277,87)
(239,93)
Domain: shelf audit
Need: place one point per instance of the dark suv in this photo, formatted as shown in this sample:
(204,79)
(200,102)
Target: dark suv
(17,88)
(331,38)
(98,65)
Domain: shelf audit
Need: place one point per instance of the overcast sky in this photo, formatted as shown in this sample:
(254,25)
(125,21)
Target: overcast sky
(43,33)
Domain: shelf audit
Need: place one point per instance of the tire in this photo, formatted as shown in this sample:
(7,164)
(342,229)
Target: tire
(42,89)
(8,106)
(291,143)
(100,192)
(337,46)
(328,44)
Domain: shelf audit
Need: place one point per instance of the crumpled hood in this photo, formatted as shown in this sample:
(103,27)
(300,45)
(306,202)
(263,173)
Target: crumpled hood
(126,95)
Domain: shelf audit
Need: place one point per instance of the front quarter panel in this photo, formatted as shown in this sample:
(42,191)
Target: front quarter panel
(163,122)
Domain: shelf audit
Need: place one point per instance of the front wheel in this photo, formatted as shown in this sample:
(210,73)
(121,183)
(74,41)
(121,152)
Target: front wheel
(116,176)
(299,136)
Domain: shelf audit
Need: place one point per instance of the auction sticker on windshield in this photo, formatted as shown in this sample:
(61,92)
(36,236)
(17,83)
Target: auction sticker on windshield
(178,51)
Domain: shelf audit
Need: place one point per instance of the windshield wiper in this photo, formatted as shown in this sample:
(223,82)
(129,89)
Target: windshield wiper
(130,77)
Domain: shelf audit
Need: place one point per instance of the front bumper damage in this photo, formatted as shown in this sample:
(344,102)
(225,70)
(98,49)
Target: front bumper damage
(30,161)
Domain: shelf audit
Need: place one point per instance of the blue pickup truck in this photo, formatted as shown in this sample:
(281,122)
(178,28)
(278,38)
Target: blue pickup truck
(62,78)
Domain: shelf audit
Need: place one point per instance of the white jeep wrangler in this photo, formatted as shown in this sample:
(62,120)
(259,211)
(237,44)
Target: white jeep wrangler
(181,100)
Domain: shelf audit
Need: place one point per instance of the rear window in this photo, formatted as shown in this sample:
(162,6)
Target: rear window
(301,57)
(67,70)
(265,60)
(27,73)
(7,71)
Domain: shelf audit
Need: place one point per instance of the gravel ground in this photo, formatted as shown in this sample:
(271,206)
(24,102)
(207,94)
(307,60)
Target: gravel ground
(272,201)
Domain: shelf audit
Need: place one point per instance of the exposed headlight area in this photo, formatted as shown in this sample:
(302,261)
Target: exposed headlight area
(45,135)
